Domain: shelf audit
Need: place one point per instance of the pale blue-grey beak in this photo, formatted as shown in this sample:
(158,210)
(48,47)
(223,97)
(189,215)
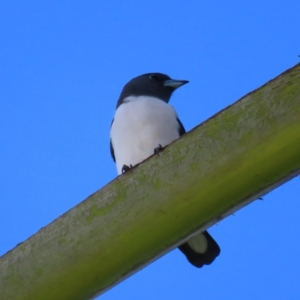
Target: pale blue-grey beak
(175,83)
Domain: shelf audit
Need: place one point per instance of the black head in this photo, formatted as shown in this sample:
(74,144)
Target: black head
(151,84)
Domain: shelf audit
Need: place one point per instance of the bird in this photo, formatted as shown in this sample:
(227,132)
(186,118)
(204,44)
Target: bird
(144,123)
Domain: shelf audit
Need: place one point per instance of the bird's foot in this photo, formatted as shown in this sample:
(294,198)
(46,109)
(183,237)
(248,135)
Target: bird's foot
(158,149)
(126,168)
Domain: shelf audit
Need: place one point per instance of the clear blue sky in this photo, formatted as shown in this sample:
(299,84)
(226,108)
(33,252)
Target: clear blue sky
(62,67)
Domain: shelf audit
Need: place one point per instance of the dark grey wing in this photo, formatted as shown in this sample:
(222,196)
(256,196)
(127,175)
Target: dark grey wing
(181,128)
(111,147)
(112,151)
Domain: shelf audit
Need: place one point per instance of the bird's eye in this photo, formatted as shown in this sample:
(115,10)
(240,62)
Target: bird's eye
(154,77)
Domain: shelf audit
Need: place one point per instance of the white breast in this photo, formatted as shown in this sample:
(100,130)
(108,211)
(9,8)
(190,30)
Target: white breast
(140,125)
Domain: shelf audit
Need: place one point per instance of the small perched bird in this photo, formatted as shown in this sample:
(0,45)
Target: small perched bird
(144,123)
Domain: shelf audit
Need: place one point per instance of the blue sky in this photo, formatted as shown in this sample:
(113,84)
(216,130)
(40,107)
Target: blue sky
(63,65)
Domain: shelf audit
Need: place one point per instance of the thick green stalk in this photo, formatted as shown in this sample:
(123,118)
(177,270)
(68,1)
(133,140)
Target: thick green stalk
(220,166)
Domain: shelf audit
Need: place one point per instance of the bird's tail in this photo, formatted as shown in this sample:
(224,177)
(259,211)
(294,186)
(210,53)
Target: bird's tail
(200,250)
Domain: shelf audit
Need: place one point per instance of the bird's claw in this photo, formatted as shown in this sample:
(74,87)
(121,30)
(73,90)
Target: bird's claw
(126,168)
(158,149)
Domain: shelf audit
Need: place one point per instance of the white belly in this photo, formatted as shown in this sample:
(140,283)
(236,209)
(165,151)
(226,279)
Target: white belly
(139,126)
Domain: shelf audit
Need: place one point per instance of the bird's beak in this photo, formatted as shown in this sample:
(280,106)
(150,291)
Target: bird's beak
(175,83)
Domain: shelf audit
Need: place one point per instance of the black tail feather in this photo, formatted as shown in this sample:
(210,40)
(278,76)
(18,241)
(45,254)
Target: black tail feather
(200,259)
